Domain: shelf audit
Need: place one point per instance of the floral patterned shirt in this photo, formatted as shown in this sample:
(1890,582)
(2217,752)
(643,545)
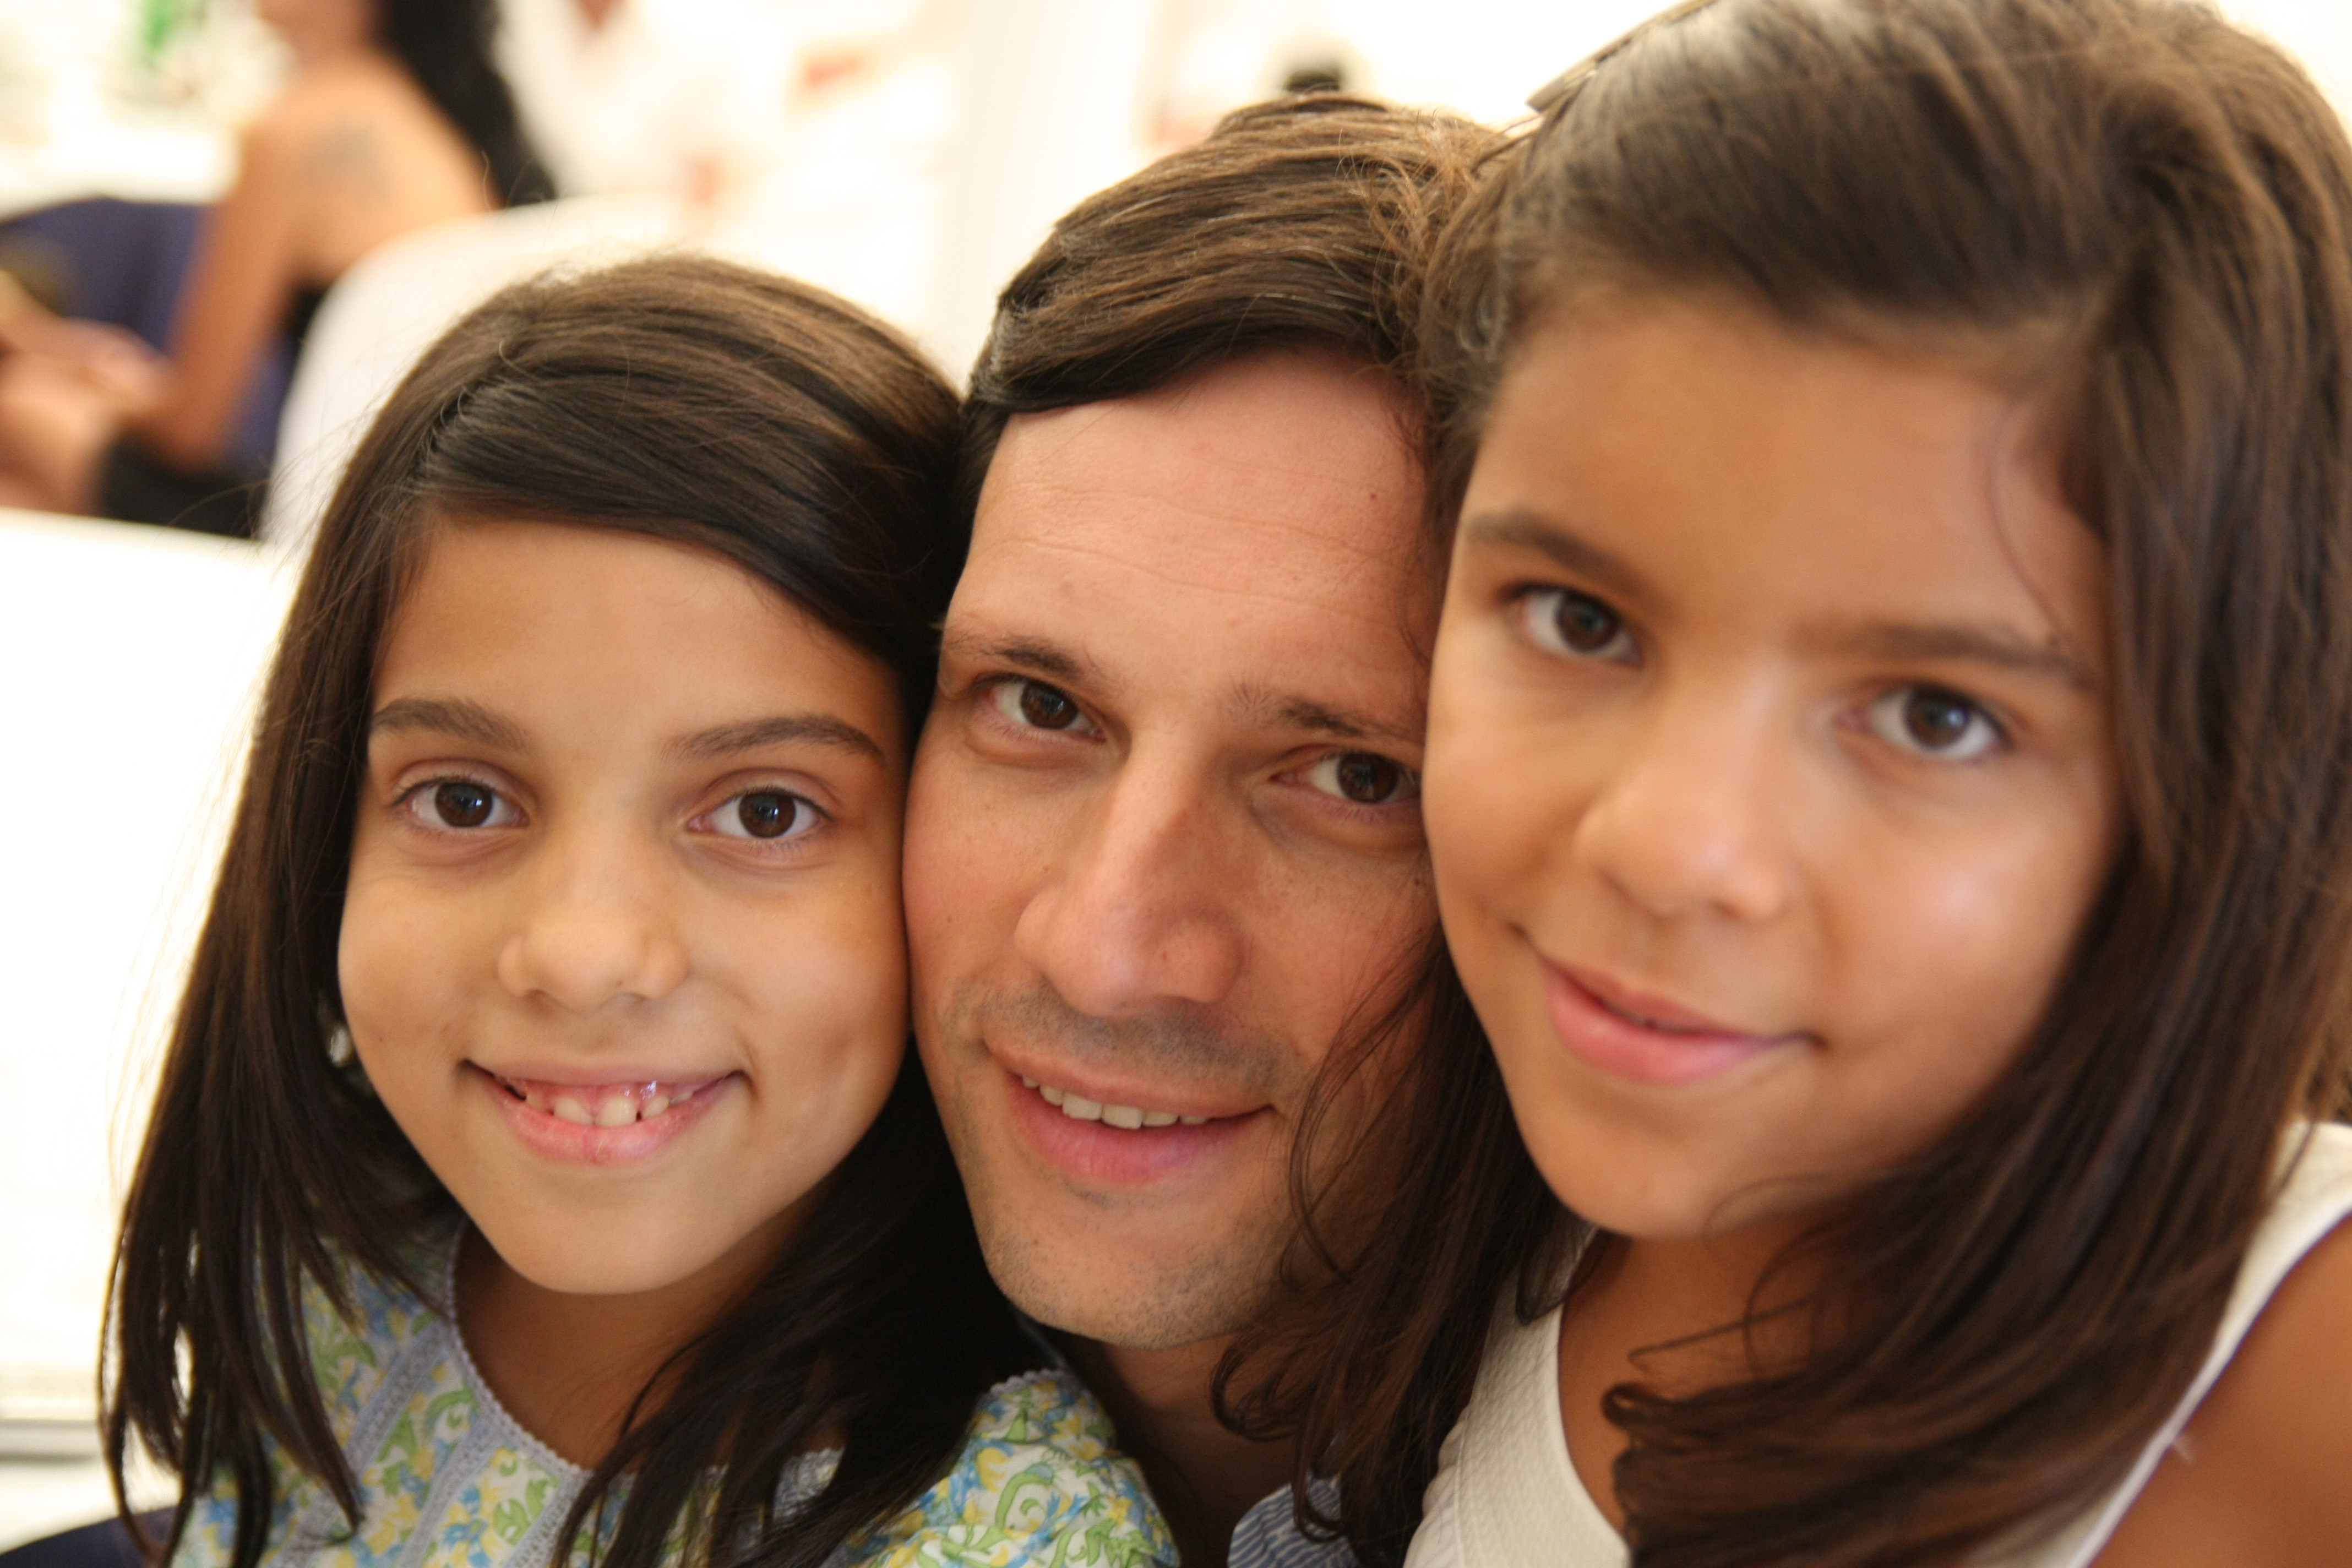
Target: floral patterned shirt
(447,1478)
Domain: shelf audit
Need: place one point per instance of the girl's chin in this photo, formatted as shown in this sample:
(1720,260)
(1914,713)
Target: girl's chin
(597,1257)
(1634,1182)
(669,1236)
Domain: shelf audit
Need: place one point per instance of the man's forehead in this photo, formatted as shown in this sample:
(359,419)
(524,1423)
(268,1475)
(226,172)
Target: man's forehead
(1300,464)
(1254,539)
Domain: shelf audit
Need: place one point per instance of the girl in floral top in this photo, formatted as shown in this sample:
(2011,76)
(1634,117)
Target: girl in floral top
(539,1175)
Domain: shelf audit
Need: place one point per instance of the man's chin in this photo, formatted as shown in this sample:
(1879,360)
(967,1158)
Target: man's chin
(1130,1294)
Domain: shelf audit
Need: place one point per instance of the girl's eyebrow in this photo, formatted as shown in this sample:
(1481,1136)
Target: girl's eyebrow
(821,729)
(1994,645)
(450,716)
(1517,528)
(471,721)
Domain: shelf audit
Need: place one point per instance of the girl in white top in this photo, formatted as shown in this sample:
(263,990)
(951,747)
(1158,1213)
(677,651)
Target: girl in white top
(1890,791)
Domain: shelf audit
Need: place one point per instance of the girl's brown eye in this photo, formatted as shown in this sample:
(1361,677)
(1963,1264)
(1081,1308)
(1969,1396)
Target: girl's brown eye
(1937,719)
(765,815)
(461,805)
(1585,624)
(1934,723)
(1576,626)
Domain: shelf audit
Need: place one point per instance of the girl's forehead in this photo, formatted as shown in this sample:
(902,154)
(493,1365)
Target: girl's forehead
(623,631)
(1712,454)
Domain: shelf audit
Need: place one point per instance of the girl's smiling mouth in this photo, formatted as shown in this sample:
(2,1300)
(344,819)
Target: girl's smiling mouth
(1644,1039)
(602,1123)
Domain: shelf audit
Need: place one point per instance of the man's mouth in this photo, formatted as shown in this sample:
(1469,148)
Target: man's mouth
(603,1104)
(1079,1108)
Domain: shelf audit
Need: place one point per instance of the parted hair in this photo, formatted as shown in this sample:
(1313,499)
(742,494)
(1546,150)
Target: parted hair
(686,400)
(1302,222)
(2155,207)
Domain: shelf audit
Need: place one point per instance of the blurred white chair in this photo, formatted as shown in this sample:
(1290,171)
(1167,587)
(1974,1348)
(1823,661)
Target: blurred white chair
(128,661)
(386,311)
(384,314)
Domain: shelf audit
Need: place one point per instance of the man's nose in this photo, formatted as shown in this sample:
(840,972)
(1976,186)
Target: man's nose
(595,924)
(1139,910)
(1691,820)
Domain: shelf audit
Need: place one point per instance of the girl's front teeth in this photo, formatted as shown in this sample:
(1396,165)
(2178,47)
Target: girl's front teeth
(1079,1108)
(601,1105)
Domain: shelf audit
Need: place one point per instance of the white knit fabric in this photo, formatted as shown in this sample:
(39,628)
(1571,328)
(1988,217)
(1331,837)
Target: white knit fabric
(1504,1491)
(1506,1496)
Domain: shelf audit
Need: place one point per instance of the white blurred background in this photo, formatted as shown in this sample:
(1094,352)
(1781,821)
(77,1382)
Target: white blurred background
(908,153)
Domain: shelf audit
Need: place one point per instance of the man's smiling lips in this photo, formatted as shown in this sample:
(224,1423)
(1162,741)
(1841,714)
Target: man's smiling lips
(1119,1135)
(1649,1039)
(612,1120)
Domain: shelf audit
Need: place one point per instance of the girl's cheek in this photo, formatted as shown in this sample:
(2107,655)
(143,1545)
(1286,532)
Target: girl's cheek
(1494,798)
(1960,947)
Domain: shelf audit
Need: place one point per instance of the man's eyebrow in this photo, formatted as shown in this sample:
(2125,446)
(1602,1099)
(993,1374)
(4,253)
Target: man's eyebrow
(1267,706)
(781,729)
(1515,528)
(1028,653)
(1959,642)
(449,716)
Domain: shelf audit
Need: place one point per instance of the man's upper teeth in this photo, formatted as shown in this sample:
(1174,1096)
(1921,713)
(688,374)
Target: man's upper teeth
(1079,1108)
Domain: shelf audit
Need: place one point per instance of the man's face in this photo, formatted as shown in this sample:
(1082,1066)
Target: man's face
(1164,839)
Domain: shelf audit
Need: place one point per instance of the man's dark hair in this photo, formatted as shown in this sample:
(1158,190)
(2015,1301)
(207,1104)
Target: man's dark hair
(1304,223)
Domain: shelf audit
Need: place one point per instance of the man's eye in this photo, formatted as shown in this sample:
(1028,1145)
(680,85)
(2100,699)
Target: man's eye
(461,804)
(1574,626)
(1365,778)
(1934,722)
(1033,705)
(766,814)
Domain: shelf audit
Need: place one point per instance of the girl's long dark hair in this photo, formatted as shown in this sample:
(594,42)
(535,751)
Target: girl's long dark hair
(2156,209)
(1367,1352)
(684,400)
(446,46)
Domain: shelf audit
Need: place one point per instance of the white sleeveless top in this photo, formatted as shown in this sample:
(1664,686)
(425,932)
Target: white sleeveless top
(1506,1496)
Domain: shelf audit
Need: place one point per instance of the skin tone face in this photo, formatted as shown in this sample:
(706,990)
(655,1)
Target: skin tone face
(1771,777)
(1163,845)
(622,951)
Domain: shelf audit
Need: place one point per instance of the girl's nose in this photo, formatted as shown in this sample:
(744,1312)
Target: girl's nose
(1690,823)
(596,926)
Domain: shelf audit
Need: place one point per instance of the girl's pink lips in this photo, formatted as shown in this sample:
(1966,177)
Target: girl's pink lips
(1644,1039)
(553,1130)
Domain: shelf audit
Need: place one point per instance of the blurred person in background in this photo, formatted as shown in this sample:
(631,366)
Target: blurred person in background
(395,119)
